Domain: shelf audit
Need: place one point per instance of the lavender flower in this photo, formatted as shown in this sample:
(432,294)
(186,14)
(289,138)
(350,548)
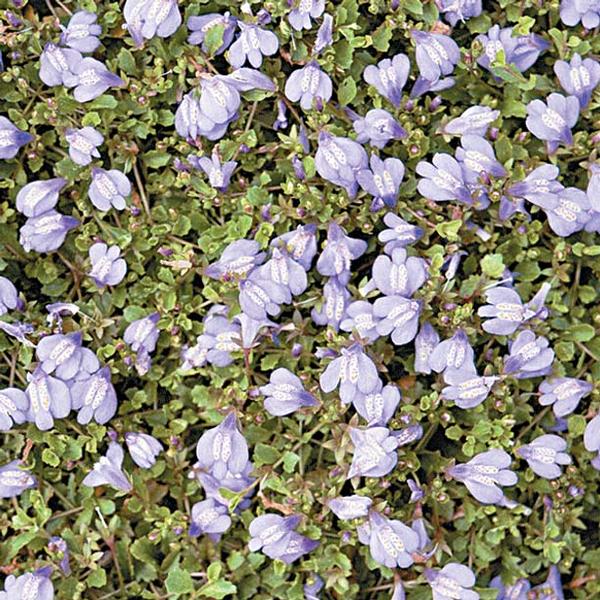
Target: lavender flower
(374,452)
(339,160)
(219,175)
(443,180)
(13,408)
(59,546)
(383,179)
(324,35)
(377,128)
(82,32)
(11,138)
(452,581)
(285,393)
(223,449)
(425,343)
(483,475)
(57,65)
(336,299)
(142,334)
(36,585)
(515,591)
(300,15)
(529,356)
(348,508)
(261,296)
(14,480)
(454,353)
(578,78)
(360,318)
(309,84)
(353,371)
(237,260)
(399,316)
(49,399)
(568,211)
(379,406)
(339,252)
(38,197)
(219,339)
(63,355)
(282,269)
(143,449)
(312,587)
(473,121)
(94,397)
(107,266)
(202,25)
(93,79)
(238,483)
(108,470)
(553,120)
(252,44)
(545,455)
(83,144)
(408,435)
(552,588)
(538,184)
(399,274)
(564,394)
(147,18)
(300,244)
(459,10)
(477,157)
(586,11)
(46,232)
(466,388)
(391,542)
(436,54)
(108,188)
(400,233)
(9,297)
(389,77)
(591,440)
(211,518)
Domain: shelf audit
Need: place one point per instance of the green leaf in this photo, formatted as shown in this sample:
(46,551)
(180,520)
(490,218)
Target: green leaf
(492,265)
(581,332)
(347,91)
(265,455)
(179,581)
(50,458)
(218,589)
(97,578)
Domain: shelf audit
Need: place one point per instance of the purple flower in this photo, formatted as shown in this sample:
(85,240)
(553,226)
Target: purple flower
(219,175)
(564,394)
(108,470)
(399,316)
(260,296)
(425,343)
(14,480)
(237,483)
(143,449)
(473,121)
(223,450)
(452,581)
(552,588)
(339,252)
(379,406)
(309,84)
(348,508)
(202,25)
(324,35)
(219,339)
(142,334)
(94,397)
(211,518)
(507,310)
(300,16)
(389,77)
(59,309)
(399,275)
(391,542)
(568,211)
(49,399)
(36,585)
(189,121)
(477,157)
(147,18)
(11,138)
(246,79)
(466,388)
(59,546)
(83,144)
(46,232)
(529,356)
(107,266)
(436,54)
(374,452)
(275,536)
(339,160)
(82,32)
(282,269)
(443,180)
(515,591)
(336,299)
(377,128)
(408,435)
(454,353)
(541,182)
(9,297)
(552,121)
(285,393)
(57,65)
(353,371)
(579,77)
(93,79)
(64,356)
(360,318)
(39,197)
(13,407)
(586,11)
(545,455)
(108,188)
(383,179)
(312,587)
(237,260)
(300,244)
(591,440)
(400,233)
(252,44)
(416,491)
(459,10)
(483,475)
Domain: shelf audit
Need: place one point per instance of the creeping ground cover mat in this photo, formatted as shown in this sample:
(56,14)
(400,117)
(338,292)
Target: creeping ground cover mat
(299,299)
